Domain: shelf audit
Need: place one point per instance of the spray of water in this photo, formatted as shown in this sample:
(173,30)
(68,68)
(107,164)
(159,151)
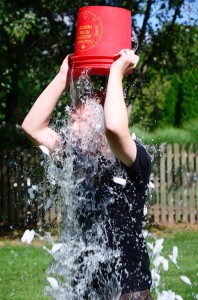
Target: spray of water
(135,43)
(82,163)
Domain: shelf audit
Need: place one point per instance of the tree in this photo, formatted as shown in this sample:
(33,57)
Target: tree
(163,102)
(170,113)
(35,37)
(189,99)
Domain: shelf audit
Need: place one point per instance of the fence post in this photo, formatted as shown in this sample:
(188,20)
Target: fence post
(191,159)
(170,184)
(184,184)
(163,185)
(177,157)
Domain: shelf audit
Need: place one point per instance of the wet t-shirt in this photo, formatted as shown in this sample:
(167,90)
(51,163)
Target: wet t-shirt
(114,197)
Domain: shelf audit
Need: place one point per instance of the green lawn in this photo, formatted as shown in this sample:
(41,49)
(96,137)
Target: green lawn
(22,268)
(187,242)
(22,272)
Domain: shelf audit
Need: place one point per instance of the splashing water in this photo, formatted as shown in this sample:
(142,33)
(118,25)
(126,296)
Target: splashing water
(86,265)
(83,172)
(77,168)
(135,42)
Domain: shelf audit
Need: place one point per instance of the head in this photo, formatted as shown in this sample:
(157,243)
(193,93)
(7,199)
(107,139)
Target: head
(83,112)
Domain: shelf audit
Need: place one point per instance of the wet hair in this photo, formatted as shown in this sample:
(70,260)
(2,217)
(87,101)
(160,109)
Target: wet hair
(98,96)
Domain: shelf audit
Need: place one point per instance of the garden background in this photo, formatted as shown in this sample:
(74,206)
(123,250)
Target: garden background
(161,97)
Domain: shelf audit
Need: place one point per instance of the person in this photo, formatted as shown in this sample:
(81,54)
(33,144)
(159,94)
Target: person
(125,213)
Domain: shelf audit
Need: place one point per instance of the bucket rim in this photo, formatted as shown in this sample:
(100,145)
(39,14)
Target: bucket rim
(105,6)
(94,56)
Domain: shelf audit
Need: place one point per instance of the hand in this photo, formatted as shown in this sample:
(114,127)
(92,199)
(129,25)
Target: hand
(65,69)
(127,61)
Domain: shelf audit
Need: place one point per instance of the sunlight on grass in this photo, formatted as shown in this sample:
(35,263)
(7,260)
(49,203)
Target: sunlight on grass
(22,272)
(187,135)
(22,268)
(186,240)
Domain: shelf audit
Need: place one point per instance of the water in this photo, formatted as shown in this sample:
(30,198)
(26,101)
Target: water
(76,169)
(83,249)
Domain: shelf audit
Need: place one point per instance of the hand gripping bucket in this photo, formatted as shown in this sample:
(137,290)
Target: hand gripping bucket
(102,31)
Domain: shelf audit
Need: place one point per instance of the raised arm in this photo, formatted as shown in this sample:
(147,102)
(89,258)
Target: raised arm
(37,121)
(115,111)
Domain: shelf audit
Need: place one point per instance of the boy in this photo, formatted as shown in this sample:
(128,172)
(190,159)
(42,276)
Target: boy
(123,216)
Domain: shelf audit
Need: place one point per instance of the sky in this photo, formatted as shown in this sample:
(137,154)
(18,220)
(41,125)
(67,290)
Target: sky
(190,10)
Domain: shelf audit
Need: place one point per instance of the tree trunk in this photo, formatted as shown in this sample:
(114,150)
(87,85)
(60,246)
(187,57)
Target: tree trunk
(11,99)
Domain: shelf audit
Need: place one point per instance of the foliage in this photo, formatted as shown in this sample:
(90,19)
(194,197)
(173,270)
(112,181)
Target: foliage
(152,99)
(181,103)
(185,135)
(36,36)
(189,89)
(170,111)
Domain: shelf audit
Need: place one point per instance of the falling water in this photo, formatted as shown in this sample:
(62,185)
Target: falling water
(80,172)
(80,168)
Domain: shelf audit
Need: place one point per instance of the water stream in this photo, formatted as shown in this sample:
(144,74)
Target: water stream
(78,170)
(83,172)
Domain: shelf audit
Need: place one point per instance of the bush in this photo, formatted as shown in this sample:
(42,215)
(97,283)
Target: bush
(189,89)
(170,112)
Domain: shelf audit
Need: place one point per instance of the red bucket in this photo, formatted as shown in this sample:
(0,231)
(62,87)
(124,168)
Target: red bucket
(102,31)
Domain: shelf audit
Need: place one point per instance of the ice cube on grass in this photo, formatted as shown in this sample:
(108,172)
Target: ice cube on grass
(186,280)
(53,282)
(28,236)
(174,256)
(56,247)
(155,278)
(161,260)
(178,297)
(158,246)
(169,295)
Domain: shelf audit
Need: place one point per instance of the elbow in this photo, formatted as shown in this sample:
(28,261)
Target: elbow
(117,131)
(32,136)
(27,128)
(113,131)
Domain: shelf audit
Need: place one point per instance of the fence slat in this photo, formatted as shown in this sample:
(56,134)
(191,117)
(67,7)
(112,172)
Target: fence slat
(156,204)
(184,184)
(177,182)
(170,184)
(191,157)
(163,186)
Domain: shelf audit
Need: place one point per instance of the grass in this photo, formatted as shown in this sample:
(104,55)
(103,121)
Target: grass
(22,268)
(22,271)
(186,135)
(186,240)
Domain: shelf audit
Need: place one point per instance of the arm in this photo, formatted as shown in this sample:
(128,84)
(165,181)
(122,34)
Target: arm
(115,111)
(37,121)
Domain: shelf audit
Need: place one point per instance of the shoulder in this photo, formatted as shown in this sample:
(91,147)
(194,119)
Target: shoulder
(141,168)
